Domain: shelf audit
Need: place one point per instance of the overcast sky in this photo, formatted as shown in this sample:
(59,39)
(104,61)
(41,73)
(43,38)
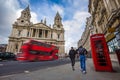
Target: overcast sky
(73,13)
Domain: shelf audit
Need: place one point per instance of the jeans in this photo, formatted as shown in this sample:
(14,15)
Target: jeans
(83,62)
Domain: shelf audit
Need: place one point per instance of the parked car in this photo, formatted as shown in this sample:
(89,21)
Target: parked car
(7,56)
(1,56)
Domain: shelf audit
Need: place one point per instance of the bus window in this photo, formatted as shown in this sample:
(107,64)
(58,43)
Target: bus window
(33,52)
(43,53)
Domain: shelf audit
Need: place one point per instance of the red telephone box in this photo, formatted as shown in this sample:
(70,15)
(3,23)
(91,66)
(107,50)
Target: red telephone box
(100,53)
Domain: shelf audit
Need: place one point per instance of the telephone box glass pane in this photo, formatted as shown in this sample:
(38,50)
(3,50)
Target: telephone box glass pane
(100,53)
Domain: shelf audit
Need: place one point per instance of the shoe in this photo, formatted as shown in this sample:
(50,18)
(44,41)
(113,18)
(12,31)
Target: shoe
(73,68)
(84,72)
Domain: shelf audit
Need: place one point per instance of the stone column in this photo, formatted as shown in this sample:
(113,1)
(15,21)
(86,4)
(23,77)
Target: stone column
(14,48)
(37,32)
(49,34)
(11,47)
(29,33)
(19,46)
(44,33)
(8,47)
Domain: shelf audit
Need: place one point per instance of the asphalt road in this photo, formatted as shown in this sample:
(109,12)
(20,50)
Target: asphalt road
(15,67)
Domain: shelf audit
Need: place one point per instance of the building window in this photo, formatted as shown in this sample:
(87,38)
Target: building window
(28,34)
(58,36)
(16,46)
(117,33)
(113,45)
(22,21)
(58,26)
(96,31)
(51,43)
(19,32)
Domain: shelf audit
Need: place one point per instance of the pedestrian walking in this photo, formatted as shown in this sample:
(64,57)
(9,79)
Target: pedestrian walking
(72,54)
(82,55)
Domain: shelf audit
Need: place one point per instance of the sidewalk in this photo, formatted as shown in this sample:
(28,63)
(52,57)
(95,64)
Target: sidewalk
(65,72)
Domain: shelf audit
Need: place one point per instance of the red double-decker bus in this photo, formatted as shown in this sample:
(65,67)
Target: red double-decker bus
(33,50)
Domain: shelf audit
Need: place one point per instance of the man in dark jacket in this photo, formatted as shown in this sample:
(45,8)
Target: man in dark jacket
(72,54)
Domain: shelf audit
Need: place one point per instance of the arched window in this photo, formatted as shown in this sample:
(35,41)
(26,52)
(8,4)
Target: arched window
(58,26)
(19,32)
(16,46)
(28,34)
(58,36)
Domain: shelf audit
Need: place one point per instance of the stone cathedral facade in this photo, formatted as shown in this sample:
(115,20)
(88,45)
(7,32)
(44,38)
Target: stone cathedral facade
(23,29)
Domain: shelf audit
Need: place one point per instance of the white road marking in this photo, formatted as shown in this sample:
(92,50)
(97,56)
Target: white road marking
(6,76)
(26,71)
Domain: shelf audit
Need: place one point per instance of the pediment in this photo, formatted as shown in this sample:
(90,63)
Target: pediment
(41,26)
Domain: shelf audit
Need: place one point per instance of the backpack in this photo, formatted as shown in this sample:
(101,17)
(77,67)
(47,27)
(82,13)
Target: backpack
(82,51)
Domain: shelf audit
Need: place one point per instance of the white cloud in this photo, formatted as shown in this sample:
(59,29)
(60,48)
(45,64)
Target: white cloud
(74,24)
(34,17)
(74,29)
(3,40)
(81,16)
(47,11)
(9,11)
(60,9)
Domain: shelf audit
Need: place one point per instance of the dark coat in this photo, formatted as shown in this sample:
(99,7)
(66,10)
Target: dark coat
(72,53)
